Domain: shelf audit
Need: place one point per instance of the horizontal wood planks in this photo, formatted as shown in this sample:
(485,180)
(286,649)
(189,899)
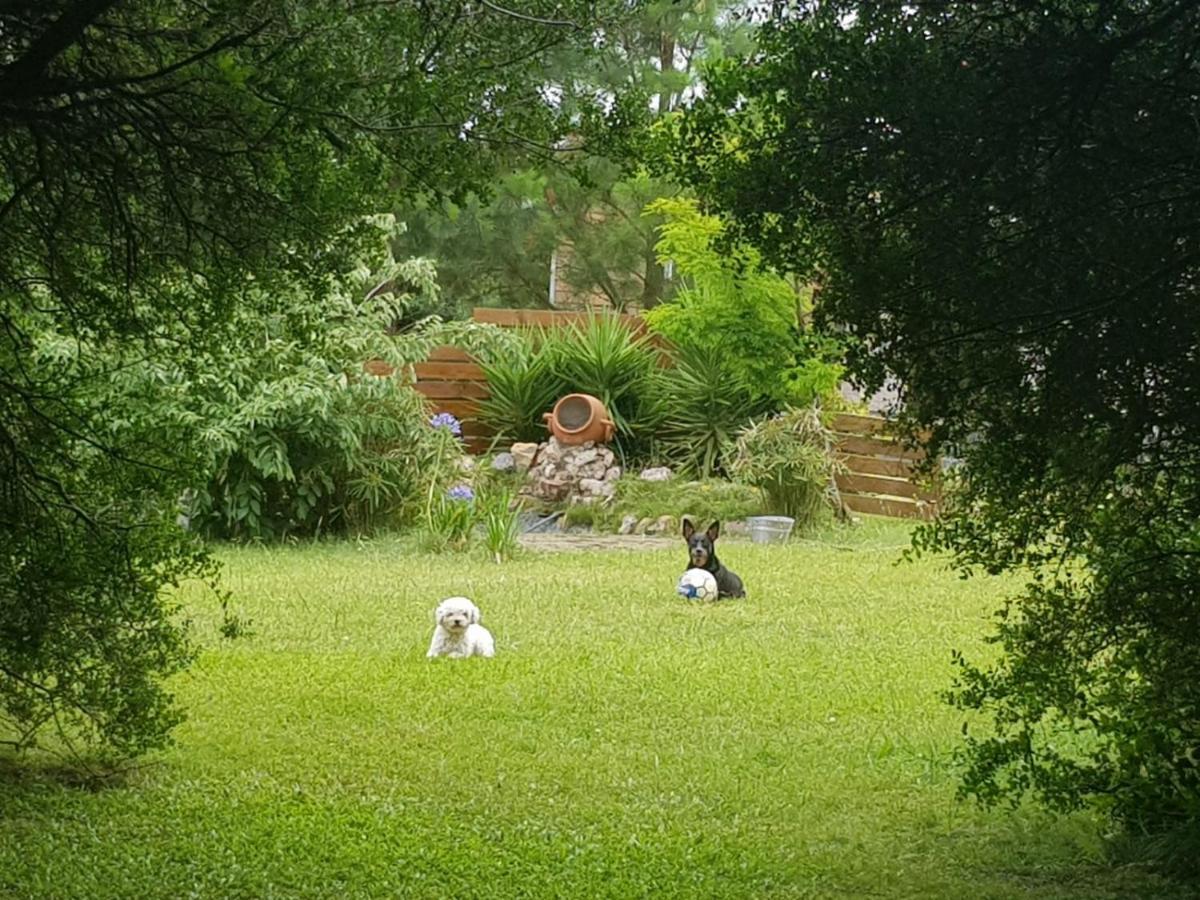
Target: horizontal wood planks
(546,318)
(880,470)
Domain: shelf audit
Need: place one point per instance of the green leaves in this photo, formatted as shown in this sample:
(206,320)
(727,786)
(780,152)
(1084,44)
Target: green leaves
(790,457)
(606,358)
(700,403)
(301,440)
(603,357)
(730,303)
(523,384)
(181,225)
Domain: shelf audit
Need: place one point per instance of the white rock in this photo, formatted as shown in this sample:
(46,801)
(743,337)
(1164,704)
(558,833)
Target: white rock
(658,473)
(592,486)
(523,455)
(585,455)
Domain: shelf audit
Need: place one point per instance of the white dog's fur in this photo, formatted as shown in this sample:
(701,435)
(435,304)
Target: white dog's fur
(458,633)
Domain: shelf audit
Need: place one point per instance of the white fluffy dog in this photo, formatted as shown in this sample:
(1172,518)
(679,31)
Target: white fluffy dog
(458,633)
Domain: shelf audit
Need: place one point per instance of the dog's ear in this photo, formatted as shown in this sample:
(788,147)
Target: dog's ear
(688,529)
(714,531)
(474,614)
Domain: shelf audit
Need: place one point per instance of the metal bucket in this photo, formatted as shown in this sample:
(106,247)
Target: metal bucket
(769,529)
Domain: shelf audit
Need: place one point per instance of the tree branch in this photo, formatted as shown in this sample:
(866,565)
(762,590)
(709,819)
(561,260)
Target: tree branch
(18,77)
(556,23)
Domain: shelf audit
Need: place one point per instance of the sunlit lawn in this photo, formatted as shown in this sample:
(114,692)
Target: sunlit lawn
(622,743)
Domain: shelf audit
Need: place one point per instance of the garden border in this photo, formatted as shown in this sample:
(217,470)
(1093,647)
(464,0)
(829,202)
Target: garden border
(880,468)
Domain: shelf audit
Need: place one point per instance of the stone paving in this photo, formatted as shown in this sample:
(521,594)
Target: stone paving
(558,541)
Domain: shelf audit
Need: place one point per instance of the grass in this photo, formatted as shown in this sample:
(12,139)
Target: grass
(622,744)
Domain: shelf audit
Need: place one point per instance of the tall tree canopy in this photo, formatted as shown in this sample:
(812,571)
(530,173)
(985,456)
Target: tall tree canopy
(1000,201)
(583,201)
(161,161)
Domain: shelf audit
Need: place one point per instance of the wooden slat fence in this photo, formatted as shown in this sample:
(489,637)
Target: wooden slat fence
(879,480)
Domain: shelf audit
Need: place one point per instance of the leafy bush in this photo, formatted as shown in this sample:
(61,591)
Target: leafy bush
(789,457)
(299,439)
(90,630)
(700,403)
(730,303)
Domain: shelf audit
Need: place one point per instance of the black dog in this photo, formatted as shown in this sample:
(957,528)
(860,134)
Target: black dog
(703,555)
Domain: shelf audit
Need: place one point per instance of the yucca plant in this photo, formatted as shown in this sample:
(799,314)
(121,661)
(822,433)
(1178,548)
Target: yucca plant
(605,358)
(700,403)
(523,384)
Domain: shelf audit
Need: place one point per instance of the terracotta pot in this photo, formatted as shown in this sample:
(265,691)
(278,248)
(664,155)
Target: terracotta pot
(579,418)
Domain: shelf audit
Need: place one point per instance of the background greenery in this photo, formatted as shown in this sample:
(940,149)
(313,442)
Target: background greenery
(707,500)
(161,166)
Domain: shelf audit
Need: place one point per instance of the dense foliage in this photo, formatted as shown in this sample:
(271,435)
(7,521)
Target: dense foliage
(1000,202)
(728,302)
(162,163)
(576,212)
(698,405)
(299,439)
(602,356)
(789,456)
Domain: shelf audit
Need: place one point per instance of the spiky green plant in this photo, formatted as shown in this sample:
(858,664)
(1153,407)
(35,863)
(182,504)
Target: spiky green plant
(605,358)
(523,384)
(700,403)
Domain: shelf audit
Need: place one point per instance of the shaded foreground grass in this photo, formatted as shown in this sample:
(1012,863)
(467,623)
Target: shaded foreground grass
(622,744)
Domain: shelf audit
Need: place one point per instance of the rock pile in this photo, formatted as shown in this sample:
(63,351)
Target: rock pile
(584,473)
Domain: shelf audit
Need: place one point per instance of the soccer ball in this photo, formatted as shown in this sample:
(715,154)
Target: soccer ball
(697,584)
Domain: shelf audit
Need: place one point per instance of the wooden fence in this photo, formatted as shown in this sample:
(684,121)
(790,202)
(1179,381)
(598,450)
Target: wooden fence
(879,477)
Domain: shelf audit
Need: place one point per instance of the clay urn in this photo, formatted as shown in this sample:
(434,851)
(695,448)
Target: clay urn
(579,418)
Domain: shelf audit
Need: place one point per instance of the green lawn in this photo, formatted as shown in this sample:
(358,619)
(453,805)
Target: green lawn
(622,743)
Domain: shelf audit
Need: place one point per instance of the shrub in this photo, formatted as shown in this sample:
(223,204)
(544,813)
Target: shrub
(789,457)
(523,384)
(605,358)
(299,440)
(730,303)
(700,403)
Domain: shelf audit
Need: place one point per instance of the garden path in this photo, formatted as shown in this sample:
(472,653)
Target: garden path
(589,541)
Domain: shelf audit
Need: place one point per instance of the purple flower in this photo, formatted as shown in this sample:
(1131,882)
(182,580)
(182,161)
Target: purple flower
(447,421)
(461,492)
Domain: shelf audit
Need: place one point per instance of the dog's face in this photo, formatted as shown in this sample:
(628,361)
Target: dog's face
(455,613)
(700,543)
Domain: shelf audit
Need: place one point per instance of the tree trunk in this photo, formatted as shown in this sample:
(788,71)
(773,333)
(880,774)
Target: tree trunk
(654,281)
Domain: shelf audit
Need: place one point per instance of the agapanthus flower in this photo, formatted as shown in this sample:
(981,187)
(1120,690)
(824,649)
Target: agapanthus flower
(447,421)
(461,492)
